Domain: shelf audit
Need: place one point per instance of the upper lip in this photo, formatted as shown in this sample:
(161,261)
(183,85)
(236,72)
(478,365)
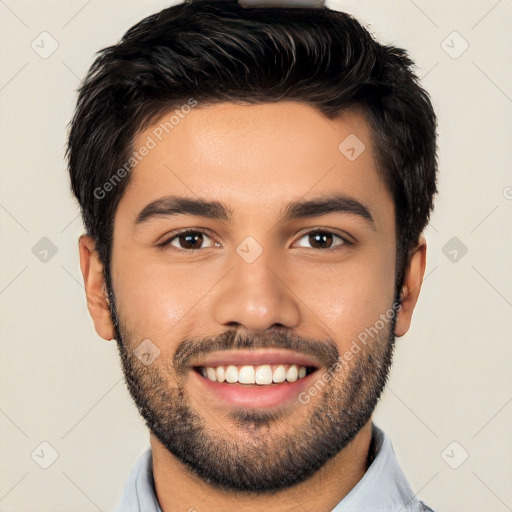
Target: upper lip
(257,357)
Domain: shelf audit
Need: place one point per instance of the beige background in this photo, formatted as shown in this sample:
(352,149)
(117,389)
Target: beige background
(450,392)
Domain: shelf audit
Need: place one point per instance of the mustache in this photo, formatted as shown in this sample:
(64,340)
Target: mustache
(192,349)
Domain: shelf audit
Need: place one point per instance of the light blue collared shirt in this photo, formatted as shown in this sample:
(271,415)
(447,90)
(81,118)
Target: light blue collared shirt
(383,487)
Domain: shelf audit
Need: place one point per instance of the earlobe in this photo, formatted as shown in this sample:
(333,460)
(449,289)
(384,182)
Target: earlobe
(95,288)
(412,286)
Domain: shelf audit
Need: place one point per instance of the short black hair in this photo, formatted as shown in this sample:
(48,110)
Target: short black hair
(215,51)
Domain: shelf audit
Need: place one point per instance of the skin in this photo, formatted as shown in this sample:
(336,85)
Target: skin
(255,160)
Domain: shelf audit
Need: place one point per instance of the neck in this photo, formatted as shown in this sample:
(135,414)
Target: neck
(178,489)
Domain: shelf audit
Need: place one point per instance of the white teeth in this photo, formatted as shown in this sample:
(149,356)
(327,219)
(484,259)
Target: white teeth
(232,374)
(292,374)
(220,374)
(246,375)
(279,374)
(263,375)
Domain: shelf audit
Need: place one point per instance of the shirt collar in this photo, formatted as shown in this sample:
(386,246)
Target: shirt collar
(384,486)
(139,492)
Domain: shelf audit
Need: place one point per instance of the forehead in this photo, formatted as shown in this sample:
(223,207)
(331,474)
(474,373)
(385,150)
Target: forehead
(255,158)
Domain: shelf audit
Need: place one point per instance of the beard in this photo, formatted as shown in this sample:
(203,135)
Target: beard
(264,457)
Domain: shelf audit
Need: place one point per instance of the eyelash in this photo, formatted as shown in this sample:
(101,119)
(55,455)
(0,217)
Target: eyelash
(166,243)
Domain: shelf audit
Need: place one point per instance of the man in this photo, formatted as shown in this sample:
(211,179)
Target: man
(254,184)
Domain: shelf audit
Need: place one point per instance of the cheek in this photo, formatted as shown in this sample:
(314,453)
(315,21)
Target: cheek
(352,297)
(156,301)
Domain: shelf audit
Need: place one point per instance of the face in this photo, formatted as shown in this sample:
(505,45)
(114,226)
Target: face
(250,256)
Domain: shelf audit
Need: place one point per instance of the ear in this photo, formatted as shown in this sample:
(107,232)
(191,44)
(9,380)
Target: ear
(412,286)
(95,288)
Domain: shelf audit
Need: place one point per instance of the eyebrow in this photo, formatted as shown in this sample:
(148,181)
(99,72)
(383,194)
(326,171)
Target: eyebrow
(178,205)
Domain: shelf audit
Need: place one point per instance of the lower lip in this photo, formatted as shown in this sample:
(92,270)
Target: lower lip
(253,395)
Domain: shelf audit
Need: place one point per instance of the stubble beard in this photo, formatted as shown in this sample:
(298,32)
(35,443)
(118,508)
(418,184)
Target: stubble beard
(270,452)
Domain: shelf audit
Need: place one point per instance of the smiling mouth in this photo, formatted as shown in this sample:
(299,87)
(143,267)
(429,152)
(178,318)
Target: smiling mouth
(261,375)
(254,379)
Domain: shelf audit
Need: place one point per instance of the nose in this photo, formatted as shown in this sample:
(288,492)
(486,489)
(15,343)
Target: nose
(255,296)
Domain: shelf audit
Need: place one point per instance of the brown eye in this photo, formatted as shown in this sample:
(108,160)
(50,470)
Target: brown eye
(189,240)
(322,240)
